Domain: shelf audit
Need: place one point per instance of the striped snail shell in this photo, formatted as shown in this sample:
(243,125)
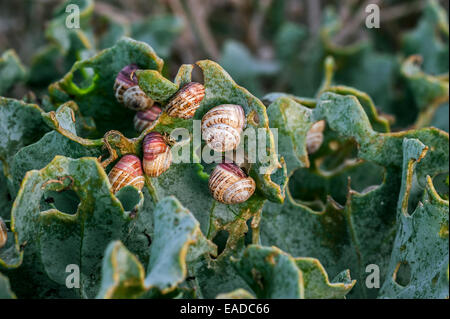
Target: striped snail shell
(128,92)
(127,171)
(3,233)
(186,101)
(222,127)
(144,119)
(157,154)
(229,184)
(314,137)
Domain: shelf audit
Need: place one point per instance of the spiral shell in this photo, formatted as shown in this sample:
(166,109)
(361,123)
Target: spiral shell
(222,127)
(186,101)
(229,184)
(144,119)
(128,92)
(3,233)
(314,137)
(157,154)
(128,171)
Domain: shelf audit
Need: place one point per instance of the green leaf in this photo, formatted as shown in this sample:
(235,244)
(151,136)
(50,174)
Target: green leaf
(317,284)
(62,238)
(429,91)
(419,262)
(11,70)
(20,124)
(430,39)
(274,274)
(94,93)
(176,235)
(62,141)
(362,232)
(5,289)
(159,31)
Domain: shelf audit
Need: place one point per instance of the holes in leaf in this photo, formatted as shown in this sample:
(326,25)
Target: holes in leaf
(83,78)
(402,274)
(220,240)
(66,201)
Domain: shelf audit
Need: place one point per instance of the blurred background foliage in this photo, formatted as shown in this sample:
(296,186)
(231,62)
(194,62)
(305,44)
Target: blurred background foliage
(266,46)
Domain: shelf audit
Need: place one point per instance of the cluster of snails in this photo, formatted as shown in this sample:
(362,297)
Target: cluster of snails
(3,233)
(221,129)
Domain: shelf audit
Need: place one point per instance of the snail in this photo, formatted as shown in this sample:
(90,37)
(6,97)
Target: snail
(157,154)
(222,127)
(229,184)
(314,137)
(128,92)
(128,171)
(3,233)
(144,119)
(186,101)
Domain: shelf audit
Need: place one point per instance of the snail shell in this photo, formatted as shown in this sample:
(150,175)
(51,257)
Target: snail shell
(157,154)
(229,184)
(314,137)
(222,127)
(128,92)
(144,119)
(128,171)
(186,101)
(3,233)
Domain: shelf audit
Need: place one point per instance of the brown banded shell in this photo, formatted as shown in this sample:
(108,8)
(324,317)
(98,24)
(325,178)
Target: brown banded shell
(186,101)
(3,233)
(128,92)
(127,171)
(144,119)
(229,184)
(222,127)
(157,154)
(314,137)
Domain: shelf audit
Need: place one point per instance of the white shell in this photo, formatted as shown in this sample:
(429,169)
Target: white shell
(3,233)
(222,127)
(230,186)
(314,137)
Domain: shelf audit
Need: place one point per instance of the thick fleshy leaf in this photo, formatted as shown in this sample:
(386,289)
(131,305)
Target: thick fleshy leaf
(11,70)
(62,141)
(94,94)
(430,39)
(419,262)
(78,236)
(5,289)
(20,124)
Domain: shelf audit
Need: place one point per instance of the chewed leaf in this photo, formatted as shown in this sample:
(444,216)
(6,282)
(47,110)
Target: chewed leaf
(20,125)
(66,238)
(5,288)
(62,141)
(11,70)
(345,115)
(419,262)
(95,95)
(273,273)
(176,234)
